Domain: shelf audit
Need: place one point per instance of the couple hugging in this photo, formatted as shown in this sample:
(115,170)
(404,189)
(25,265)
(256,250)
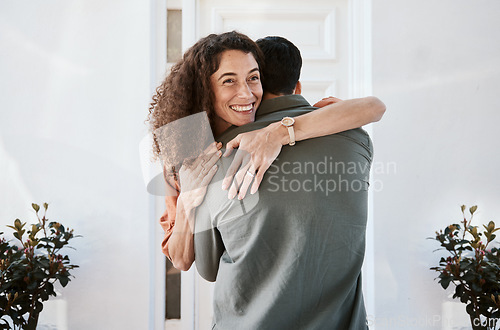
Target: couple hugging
(287,258)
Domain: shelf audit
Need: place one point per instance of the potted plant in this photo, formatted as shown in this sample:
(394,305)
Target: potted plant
(473,266)
(29,268)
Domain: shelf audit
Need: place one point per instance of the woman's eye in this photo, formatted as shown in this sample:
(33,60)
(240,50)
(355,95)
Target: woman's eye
(254,78)
(228,81)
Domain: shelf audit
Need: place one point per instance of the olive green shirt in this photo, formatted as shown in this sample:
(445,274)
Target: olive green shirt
(290,256)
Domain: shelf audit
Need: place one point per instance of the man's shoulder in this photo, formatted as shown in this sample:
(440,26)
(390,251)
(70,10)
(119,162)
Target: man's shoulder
(356,133)
(283,102)
(357,136)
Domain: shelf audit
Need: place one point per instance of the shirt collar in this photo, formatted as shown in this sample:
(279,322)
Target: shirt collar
(281,103)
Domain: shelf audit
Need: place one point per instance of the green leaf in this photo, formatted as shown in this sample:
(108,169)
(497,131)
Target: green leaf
(64,280)
(35,207)
(44,262)
(34,230)
(470,309)
(469,276)
(491,225)
(476,287)
(38,306)
(445,282)
(459,291)
(45,206)
(473,209)
(44,295)
(32,286)
(50,289)
(18,224)
(463,208)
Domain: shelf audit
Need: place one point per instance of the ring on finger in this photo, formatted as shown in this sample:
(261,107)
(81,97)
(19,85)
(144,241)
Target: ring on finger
(250,173)
(204,170)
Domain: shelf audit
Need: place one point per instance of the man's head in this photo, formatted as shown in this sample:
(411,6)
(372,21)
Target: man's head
(282,65)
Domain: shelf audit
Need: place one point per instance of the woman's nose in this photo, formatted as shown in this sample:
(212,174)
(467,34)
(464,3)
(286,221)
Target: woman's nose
(244,91)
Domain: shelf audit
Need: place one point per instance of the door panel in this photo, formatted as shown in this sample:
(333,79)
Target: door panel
(319,29)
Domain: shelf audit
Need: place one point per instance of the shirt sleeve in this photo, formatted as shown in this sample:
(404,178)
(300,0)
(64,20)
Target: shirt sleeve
(208,243)
(208,249)
(212,215)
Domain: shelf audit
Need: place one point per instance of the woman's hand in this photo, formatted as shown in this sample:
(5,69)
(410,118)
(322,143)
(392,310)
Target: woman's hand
(326,101)
(196,175)
(256,152)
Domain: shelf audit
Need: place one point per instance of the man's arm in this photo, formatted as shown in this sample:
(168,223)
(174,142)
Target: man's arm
(213,217)
(208,248)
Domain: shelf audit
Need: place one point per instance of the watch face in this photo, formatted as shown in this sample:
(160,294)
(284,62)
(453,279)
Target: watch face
(287,121)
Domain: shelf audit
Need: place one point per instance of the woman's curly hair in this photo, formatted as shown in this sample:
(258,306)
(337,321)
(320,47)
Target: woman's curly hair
(187,89)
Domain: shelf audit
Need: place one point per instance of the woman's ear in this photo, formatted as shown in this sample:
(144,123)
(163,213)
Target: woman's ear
(298,88)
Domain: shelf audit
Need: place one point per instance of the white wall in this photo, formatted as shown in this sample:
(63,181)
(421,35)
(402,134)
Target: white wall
(75,87)
(436,65)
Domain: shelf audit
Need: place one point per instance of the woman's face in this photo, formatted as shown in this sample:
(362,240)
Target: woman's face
(237,89)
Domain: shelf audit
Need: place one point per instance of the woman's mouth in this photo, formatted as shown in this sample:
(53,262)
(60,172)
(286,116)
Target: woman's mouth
(242,108)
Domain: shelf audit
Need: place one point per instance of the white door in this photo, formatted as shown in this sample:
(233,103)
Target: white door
(333,36)
(319,28)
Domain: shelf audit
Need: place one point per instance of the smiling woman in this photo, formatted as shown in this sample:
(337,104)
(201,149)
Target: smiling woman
(219,75)
(237,89)
(189,88)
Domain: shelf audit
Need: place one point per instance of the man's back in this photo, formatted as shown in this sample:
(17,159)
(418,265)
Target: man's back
(290,256)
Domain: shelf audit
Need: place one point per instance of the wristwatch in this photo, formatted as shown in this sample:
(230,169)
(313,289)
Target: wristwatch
(288,123)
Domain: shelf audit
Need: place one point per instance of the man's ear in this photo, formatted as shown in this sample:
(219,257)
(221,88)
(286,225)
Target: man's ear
(298,88)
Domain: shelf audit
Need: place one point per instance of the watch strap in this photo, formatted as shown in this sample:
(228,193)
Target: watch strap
(291,132)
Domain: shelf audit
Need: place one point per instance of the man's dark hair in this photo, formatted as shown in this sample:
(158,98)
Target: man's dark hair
(282,65)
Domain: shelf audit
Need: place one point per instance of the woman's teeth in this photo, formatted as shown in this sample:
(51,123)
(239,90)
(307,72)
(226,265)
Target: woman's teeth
(241,108)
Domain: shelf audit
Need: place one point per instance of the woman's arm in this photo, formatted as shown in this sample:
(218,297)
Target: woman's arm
(180,246)
(337,117)
(261,147)
(167,222)
(194,179)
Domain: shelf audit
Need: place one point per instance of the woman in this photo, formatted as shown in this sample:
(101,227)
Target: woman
(220,75)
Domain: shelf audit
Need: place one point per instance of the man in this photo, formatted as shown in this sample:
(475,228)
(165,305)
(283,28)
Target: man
(290,256)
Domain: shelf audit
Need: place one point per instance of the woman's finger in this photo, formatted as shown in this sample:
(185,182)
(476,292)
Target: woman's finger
(237,162)
(231,145)
(233,189)
(326,101)
(259,176)
(212,148)
(247,180)
(235,185)
(239,177)
(210,174)
(210,162)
